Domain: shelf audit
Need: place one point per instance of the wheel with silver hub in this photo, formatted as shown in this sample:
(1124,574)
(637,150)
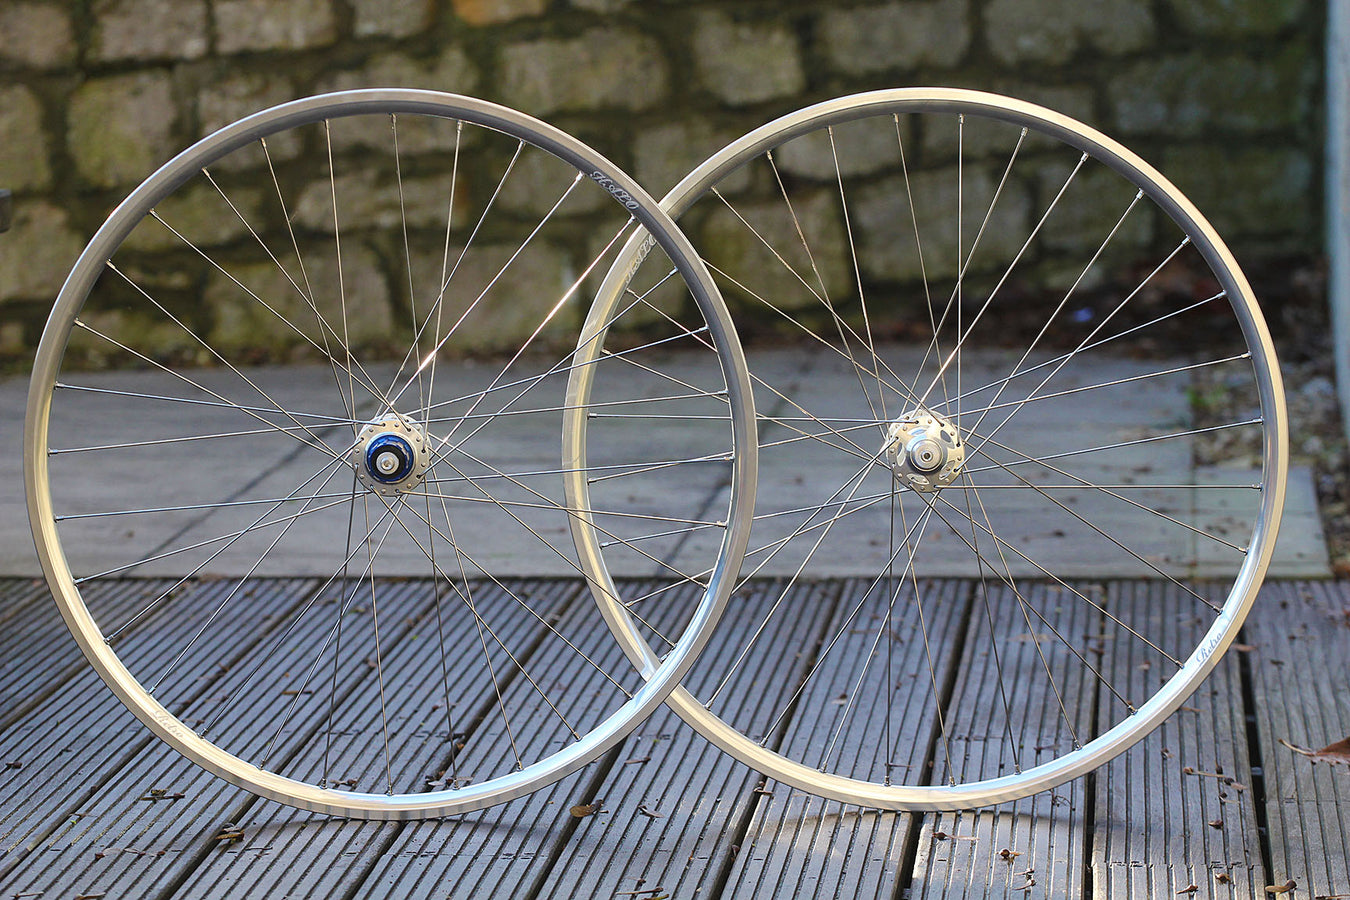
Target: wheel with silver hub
(1021,464)
(291,452)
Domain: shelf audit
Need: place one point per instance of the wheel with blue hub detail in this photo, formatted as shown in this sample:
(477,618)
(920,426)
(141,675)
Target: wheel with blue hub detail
(291,452)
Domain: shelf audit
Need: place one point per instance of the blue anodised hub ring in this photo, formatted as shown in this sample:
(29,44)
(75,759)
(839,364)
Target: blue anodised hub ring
(389,458)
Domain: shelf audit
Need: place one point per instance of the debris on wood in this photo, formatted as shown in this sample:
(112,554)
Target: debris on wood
(1337,754)
(1009,855)
(637,760)
(582,810)
(1215,823)
(1281,888)
(649,813)
(1188,889)
(1222,877)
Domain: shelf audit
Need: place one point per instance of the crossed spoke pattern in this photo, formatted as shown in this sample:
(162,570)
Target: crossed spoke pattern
(423,278)
(1015,359)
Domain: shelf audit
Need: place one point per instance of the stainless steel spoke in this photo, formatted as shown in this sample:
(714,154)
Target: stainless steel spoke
(965,332)
(322,446)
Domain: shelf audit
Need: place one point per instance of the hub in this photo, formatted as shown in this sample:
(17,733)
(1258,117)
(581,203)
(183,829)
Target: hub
(924,450)
(391,455)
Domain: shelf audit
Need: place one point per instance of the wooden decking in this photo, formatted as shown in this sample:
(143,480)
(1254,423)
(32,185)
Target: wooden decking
(1213,804)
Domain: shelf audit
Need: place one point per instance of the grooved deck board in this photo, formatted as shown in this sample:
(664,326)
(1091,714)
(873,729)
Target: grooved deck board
(283,849)
(1301,684)
(73,821)
(1158,830)
(698,792)
(801,843)
(81,739)
(960,854)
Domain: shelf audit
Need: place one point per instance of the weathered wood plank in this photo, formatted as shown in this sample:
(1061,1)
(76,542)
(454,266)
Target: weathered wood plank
(1157,829)
(802,844)
(994,724)
(36,651)
(507,850)
(289,851)
(675,798)
(81,737)
(1300,670)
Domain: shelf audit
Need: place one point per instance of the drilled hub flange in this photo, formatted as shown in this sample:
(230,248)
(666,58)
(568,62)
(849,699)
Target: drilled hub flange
(925,451)
(391,455)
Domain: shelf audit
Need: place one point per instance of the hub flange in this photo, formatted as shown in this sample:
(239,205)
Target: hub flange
(925,451)
(391,455)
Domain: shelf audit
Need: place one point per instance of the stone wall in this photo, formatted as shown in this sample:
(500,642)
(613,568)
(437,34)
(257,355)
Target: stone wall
(1223,95)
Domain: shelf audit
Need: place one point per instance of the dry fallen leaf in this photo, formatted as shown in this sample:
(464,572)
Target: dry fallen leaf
(1189,889)
(582,810)
(649,813)
(1281,888)
(1215,823)
(1009,855)
(1222,877)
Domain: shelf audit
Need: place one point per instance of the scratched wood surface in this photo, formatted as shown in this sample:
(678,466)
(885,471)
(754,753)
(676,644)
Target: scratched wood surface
(1222,801)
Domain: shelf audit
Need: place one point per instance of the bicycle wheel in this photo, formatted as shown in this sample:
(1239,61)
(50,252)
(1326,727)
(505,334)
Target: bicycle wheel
(416,261)
(1028,371)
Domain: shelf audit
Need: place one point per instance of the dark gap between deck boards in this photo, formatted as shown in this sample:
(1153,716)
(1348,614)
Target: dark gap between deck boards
(1300,672)
(1152,822)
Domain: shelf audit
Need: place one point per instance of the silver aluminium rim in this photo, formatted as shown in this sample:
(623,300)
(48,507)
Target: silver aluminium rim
(660,679)
(1205,655)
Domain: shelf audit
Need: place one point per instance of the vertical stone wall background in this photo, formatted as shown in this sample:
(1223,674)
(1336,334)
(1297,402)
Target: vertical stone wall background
(1223,95)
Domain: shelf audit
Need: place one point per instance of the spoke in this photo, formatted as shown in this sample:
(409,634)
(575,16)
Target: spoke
(267,306)
(953,297)
(159,442)
(379,657)
(1084,483)
(834,641)
(1062,583)
(1103,534)
(989,613)
(438,305)
(325,329)
(903,391)
(964,333)
(1116,446)
(1026,354)
(453,329)
(445,281)
(224,504)
(222,404)
(277,407)
(580,515)
(306,293)
(968,489)
(459,550)
(856,481)
(1092,346)
(1028,607)
(1100,325)
(822,296)
(561,365)
(228,597)
(336,629)
(1161,373)
(257,523)
(280,641)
